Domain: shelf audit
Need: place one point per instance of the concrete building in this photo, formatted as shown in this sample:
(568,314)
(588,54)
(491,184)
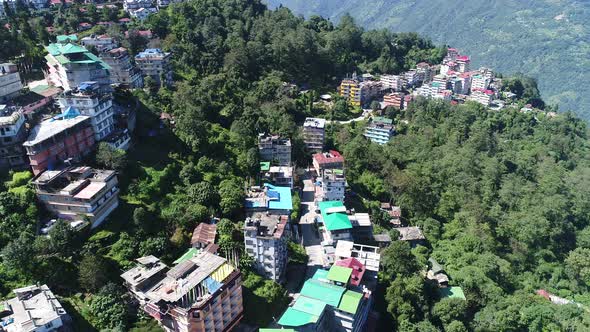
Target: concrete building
(200,293)
(313,134)
(336,221)
(480,82)
(277,175)
(327,160)
(78,193)
(333,185)
(10,83)
(395,99)
(265,239)
(68,136)
(481,96)
(142,13)
(12,134)
(380,130)
(357,92)
(88,99)
(100,43)
(122,71)
(368,255)
(393,82)
(269,198)
(274,149)
(155,63)
(132,5)
(69,65)
(34,309)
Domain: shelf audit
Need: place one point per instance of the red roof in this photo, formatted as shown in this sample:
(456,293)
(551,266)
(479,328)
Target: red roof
(463,58)
(452,49)
(125,20)
(204,233)
(358,269)
(330,157)
(544,294)
(489,92)
(85,24)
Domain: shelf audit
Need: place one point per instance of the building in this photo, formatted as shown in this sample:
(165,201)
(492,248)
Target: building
(122,71)
(313,134)
(265,239)
(132,5)
(277,175)
(200,293)
(155,63)
(395,99)
(274,149)
(88,99)
(336,221)
(269,198)
(411,234)
(12,134)
(368,255)
(463,63)
(333,185)
(380,130)
(362,228)
(393,82)
(78,193)
(480,82)
(34,309)
(483,97)
(100,43)
(68,136)
(69,65)
(142,13)
(327,160)
(203,235)
(10,83)
(38,97)
(359,93)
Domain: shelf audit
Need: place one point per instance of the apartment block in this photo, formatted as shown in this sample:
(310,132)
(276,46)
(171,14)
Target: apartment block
(198,294)
(395,99)
(132,5)
(313,134)
(274,149)
(359,92)
(481,96)
(68,136)
(156,64)
(463,63)
(12,134)
(269,199)
(277,175)
(10,83)
(327,160)
(480,82)
(425,72)
(100,43)
(333,185)
(122,71)
(380,130)
(412,78)
(335,219)
(78,193)
(393,82)
(69,65)
(88,99)
(265,239)
(34,309)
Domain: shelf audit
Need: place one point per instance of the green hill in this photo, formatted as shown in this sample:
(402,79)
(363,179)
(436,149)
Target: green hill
(545,39)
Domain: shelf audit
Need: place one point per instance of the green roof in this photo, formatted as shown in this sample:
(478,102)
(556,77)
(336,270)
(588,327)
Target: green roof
(328,293)
(192,252)
(265,165)
(339,274)
(293,317)
(452,292)
(309,305)
(334,221)
(382,119)
(59,52)
(320,274)
(350,301)
(66,38)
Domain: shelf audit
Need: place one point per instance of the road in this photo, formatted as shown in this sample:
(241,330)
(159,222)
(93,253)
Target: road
(366,114)
(309,235)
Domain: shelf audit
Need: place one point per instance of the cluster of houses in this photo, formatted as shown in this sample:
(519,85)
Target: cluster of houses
(141,9)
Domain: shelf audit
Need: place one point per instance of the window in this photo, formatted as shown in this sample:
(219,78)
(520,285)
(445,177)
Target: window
(49,325)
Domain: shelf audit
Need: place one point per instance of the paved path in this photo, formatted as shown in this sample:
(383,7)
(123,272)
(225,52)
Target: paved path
(310,238)
(366,114)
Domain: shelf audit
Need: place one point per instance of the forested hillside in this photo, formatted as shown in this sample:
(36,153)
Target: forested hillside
(544,39)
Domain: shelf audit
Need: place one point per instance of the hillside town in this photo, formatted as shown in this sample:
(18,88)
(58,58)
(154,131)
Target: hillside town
(52,126)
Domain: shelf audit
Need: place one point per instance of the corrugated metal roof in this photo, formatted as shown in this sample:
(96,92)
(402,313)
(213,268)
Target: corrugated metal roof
(350,301)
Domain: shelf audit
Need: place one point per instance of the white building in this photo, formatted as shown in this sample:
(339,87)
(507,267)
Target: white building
(155,63)
(34,309)
(10,83)
(12,135)
(333,185)
(100,43)
(483,97)
(313,134)
(142,13)
(274,149)
(133,5)
(122,71)
(265,239)
(480,82)
(393,82)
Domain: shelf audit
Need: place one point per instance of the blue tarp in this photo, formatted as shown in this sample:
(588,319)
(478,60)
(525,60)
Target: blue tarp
(212,285)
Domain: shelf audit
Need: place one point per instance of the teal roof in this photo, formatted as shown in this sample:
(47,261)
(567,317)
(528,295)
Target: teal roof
(350,301)
(284,200)
(61,51)
(382,119)
(192,252)
(293,317)
(265,165)
(321,275)
(334,221)
(323,291)
(66,38)
(452,292)
(309,305)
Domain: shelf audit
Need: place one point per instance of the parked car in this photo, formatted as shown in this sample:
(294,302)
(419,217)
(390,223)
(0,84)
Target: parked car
(48,226)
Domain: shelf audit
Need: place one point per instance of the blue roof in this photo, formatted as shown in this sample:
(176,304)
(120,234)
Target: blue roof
(212,285)
(69,113)
(280,197)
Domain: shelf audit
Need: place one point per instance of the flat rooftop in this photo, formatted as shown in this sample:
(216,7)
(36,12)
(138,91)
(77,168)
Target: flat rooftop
(81,182)
(270,197)
(52,127)
(9,115)
(266,225)
(314,123)
(32,308)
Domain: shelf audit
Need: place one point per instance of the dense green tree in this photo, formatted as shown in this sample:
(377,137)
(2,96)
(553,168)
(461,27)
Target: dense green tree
(110,158)
(93,272)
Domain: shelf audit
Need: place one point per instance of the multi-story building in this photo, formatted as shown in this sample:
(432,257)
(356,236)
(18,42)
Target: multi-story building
(100,43)
(68,65)
(335,219)
(142,13)
(269,198)
(481,96)
(274,149)
(480,82)
(10,83)
(12,135)
(425,72)
(155,63)
(327,160)
(393,82)
(313,134)
(333,185)
(88,99)
(265,239)
(277,175)
(34,309)
(395,99)
(63,137)
(463,63)
(200,293)
(122,71)
(380,130)
(132,5)
(359,92)
(78,193)
(412,78)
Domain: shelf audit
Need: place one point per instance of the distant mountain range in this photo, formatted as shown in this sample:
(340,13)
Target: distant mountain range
(546,39)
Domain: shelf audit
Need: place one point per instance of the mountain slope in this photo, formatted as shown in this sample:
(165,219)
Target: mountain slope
(549,40)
